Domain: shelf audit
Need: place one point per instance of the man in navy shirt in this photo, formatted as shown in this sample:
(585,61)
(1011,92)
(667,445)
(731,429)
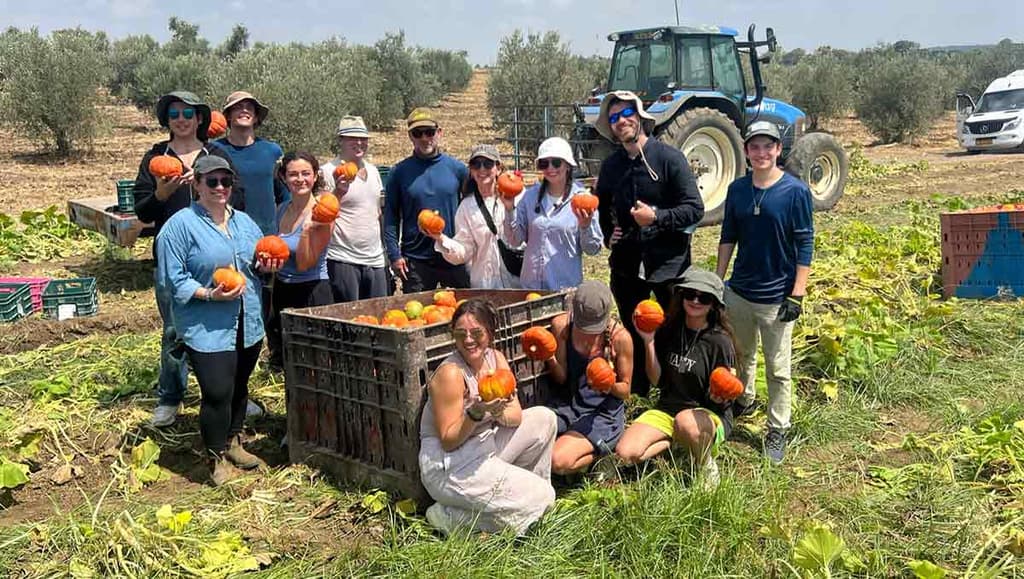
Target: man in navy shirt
(431,180)
(768,214)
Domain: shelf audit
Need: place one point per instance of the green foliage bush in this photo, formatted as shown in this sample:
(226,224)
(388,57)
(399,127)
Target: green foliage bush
(163,73)
(901,96)
(126,56)
(822,88)
(48,85)
(452,69)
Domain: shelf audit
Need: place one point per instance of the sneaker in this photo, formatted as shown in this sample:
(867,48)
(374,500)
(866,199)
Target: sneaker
(438,517)
(164,415)
(252,410)
(708,475)
(741,409)
(775,445)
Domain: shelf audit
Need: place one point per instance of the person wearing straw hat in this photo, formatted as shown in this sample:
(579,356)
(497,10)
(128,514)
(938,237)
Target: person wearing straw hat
(768,214)
(187,118)
(650,204)
(355,254)
(429,180)
(254,158)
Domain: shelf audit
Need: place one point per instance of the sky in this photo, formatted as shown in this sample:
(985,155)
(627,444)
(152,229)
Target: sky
(476,27)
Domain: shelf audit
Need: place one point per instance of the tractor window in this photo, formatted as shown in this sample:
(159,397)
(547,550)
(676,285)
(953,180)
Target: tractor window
(728,73)
(694,63)
(642,66)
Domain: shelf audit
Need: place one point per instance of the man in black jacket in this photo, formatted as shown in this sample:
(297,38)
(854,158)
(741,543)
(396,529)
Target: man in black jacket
(649,206)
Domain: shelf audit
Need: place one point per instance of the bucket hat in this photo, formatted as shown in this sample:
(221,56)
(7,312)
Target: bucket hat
(190,99)
(605,128)
(240,95)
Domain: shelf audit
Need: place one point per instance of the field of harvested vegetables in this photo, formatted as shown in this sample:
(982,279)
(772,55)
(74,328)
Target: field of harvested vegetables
(907,455)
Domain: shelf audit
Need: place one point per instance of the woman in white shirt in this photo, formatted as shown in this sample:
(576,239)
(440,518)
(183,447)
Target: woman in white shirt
(476,240)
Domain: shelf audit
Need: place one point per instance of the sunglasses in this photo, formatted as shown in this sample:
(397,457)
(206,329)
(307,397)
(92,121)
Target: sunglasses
(542,164)
(477,334)
(187,113)
(481,163)
(225,182)
(624,113)
(419,133)
(700,297)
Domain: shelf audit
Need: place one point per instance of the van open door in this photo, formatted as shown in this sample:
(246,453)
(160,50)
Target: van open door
(964,108)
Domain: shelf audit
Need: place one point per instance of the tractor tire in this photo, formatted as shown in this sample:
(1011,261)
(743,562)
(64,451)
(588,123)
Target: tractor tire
(820,161)
(713,147)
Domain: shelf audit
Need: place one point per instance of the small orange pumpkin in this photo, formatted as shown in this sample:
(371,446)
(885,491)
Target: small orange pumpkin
(600,375)
(510,184)
(432,315)
(418,322)
(495,384)
(346,171)
(445,298)
(326,208)
(394,315)
(229,278)
(447,311)
(585,202)
(648,316)
(218,125)
(724,384)
(532,296)
(272,247)
(430,222)
(539,344)
(165,167)
(366,319)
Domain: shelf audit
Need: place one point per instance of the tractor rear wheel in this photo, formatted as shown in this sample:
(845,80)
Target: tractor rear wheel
(820,161)
(714,148)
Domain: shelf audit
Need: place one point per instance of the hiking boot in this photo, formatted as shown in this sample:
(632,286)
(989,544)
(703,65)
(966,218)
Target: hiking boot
(221,471)
(708,475)
(775,445)
(164,415)
(240,457)
(741,409)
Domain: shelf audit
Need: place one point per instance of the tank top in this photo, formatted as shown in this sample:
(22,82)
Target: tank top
(428,427)
(290,273)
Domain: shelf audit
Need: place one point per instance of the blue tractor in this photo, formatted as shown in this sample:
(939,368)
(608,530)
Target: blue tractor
(691,79)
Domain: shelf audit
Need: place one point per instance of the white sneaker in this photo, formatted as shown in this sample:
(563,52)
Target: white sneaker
(708,474)
(164,416)
(252,410)
(438,517)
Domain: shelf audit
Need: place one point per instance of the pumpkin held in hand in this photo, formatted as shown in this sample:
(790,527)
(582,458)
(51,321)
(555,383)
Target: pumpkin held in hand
(218,125)
(326,208)
(510,184)
(229,278)
(600,375)
(346,171)
(724,384)
(272,247)
(539,344)
(431,222)
(495,384)
(648,316)
(585,202)
(165,167)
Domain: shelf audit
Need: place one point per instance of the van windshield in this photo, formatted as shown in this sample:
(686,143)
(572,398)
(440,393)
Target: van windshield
(1003,100)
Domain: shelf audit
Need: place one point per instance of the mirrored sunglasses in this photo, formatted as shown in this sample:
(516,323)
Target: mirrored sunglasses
(187,113)
(624,113)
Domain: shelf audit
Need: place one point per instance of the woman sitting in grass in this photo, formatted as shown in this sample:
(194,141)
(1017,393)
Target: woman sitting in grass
(695,339)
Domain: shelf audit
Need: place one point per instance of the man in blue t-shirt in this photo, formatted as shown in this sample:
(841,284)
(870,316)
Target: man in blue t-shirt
(430,180)
(768,214)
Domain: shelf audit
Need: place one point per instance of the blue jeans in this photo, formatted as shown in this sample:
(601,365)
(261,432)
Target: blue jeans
(173,369)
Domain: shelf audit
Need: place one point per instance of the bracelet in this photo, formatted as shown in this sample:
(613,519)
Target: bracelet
(206,295)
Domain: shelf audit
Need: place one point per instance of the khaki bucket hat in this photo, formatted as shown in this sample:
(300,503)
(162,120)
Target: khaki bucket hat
(240,95)
(602,124)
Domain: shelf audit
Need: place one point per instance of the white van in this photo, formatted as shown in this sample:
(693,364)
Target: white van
(994,122)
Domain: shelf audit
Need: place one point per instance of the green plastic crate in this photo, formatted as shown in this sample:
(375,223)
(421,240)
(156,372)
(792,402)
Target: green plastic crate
(15,301)
(126,196)
(77,292)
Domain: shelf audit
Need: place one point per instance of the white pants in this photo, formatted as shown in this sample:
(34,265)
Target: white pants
(752,322)
(500,478)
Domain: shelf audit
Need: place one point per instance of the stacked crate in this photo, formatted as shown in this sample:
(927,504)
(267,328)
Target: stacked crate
(983,252)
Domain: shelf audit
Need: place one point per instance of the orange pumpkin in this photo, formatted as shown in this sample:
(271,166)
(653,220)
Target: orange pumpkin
(495,384)
(346,171)
(395,315)
(445,298)
(432,315)
(648,316)
(418,322)
(326,208)
(510,184)
(165,167)
(218,125)
(539,344)
(585,202)
(430,222)
(600,375)
(447,311)
(229,278)
(272,247)
(532,296)
(366,319)
(724,384)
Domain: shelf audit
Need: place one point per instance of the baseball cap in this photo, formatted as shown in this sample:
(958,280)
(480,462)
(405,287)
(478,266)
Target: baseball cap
(702,280)
(485,151)
(592,307)
(759,128)
(420,117)
(209,163)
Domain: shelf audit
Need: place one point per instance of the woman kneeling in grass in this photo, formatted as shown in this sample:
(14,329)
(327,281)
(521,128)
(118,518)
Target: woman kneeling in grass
(681,355)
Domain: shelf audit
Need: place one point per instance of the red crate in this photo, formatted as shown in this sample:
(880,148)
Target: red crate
(36,285)
(983,253)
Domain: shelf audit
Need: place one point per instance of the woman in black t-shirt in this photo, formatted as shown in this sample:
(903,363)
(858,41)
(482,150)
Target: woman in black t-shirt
(694,340)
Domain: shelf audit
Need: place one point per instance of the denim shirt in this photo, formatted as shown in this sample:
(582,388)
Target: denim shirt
(189,248)
(554,242)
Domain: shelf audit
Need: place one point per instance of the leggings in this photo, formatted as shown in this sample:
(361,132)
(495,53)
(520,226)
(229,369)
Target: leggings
(292,295)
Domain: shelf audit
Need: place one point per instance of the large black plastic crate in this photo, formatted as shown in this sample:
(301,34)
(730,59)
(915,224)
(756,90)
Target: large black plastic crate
(355,391)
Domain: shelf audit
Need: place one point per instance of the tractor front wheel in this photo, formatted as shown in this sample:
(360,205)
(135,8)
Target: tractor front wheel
(820,161)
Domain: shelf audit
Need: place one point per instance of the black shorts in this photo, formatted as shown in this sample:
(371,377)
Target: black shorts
(602,430)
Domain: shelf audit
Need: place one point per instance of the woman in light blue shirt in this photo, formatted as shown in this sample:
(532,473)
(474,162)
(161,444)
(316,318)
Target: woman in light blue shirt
(555,234)
(222,329)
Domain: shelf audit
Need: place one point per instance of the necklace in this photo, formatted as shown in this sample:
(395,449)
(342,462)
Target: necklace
(758,202)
